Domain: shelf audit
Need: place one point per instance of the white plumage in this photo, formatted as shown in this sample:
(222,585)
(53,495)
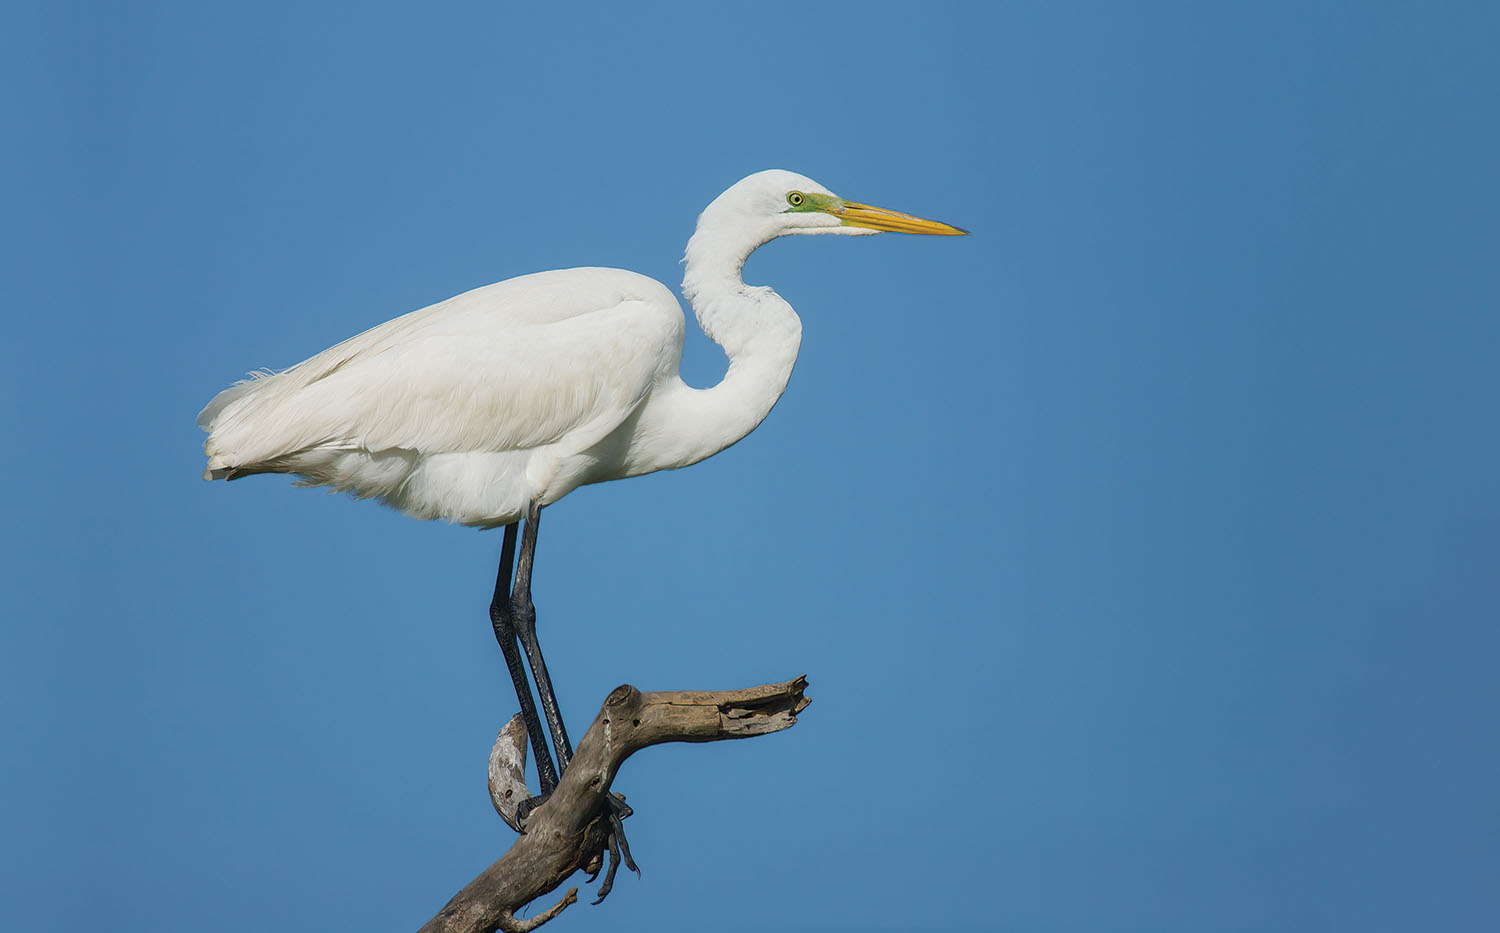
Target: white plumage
(512,395)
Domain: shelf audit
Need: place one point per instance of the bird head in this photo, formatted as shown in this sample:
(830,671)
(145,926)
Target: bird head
(776,203)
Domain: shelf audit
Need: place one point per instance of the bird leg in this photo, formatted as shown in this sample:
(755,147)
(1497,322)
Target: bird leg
(524,615)
(503,622)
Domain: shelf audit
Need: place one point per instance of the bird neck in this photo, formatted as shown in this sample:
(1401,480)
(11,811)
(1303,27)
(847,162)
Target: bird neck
(759,332)
(749,322)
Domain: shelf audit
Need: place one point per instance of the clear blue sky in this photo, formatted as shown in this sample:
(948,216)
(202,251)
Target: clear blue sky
(1143,549)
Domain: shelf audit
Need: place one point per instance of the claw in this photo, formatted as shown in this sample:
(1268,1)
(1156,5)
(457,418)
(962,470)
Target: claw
(525,808)
(619,849)
(614,864)
(618,811)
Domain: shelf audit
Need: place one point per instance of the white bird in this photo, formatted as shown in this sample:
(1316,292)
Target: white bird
(484,408)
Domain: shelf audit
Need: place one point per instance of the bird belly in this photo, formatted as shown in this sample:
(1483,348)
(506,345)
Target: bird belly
(482,489)
(479,489)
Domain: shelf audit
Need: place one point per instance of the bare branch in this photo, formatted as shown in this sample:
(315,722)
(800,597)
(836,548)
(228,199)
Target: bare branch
(510,924)
(569,831)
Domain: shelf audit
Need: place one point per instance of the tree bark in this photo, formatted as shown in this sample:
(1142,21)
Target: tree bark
(569,832)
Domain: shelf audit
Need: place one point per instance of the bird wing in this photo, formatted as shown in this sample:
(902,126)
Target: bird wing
(520,364)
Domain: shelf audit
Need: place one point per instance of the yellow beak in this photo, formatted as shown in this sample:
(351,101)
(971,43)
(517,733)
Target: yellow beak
(878,218)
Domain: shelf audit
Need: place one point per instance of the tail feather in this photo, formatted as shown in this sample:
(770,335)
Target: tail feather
(219,465)
(229,396)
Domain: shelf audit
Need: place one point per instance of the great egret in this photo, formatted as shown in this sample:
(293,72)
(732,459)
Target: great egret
(487,407)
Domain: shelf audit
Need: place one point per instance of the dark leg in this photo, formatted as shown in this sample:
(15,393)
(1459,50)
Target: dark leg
(524,614)
(502,621)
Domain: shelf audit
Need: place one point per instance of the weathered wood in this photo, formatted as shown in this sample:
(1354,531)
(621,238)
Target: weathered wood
(508,771)
(568,833)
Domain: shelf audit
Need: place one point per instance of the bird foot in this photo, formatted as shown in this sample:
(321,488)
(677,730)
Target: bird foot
(617,847)
(525,808)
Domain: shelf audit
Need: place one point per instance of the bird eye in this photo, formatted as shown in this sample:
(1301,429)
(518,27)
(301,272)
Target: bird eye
(795,198)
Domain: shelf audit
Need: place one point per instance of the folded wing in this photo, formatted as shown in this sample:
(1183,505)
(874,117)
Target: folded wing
(552,358)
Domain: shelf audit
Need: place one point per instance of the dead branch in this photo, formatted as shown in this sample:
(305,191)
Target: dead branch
(568,833)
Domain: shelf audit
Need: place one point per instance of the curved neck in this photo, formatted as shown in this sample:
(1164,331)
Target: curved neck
(747,321)
(759,332)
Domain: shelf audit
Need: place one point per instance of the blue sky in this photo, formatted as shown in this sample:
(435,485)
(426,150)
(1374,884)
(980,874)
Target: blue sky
(1141,548)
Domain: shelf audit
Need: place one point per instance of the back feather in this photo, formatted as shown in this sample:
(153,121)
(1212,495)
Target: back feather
(520,364)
